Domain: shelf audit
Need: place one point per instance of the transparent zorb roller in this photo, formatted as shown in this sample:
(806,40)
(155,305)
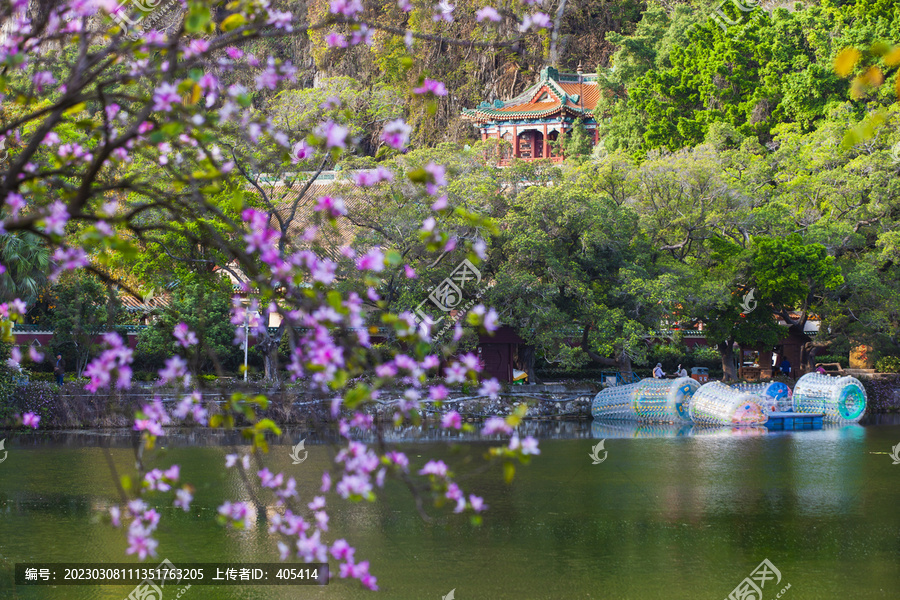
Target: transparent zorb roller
(778,394)
(649,400)
(840,399)
(718,404)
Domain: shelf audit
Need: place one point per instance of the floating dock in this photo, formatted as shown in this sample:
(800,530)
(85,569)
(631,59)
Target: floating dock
(787,421)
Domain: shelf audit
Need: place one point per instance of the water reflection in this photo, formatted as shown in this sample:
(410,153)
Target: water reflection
(428,433)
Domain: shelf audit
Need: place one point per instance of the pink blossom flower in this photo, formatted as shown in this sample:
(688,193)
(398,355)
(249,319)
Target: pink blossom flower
(443,11)
(67,259)
(30,419)
(487,13)
(335,135)
(186,338)
(530,446)
(42,78)
(176,368)
(141,544)
(361,35)
(434,467)
(341,550)
(477,503)
(452,420)
(537,20)
(373,177)
(348,8)
(196,47)
(335,40)
(495,425)
(332,206)
(437,393)
(431,86)
(183,499)
(396,134)
(455,373)
(15,202)
(373,260)
(490,388)
(151,427)
(438,177)
(399,459)
(301,151)
(55,222)
(281,20)
(34,355)
(165,95)
(440,203)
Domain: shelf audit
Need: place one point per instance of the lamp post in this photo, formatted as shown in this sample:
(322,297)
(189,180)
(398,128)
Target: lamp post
(246,341)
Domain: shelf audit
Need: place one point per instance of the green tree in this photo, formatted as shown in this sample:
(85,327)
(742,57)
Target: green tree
(570,275)
(204,305)
(27,262)
(81,309)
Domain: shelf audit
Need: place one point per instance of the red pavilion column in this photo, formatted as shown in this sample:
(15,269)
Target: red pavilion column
(546,143)
(515,141)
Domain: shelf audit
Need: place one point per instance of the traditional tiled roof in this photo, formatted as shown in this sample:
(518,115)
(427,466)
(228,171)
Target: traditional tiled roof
(133,304)
(553,93)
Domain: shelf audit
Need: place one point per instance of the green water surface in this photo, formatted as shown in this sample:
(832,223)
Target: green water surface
(662,517)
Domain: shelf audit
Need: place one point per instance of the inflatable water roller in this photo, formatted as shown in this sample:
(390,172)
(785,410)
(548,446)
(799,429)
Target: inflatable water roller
(840,399)
(718,404)
(779,394)
(649,400)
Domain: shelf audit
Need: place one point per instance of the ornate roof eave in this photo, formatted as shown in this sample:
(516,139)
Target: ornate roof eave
(481,116)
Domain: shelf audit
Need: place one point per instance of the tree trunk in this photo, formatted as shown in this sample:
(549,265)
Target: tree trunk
(268,346)
(526,354)
(623,363)
(729,369)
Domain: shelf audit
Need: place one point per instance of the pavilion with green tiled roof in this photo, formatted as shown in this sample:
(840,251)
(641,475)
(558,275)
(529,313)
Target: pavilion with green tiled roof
(539,114)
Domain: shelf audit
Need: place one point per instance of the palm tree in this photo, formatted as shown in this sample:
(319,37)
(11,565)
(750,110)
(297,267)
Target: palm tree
(27,262)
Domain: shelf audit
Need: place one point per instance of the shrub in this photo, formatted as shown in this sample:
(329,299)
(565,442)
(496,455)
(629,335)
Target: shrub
(38,397)
(833,358)
(888,364)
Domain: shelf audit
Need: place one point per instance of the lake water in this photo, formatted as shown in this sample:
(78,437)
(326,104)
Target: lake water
(670,513)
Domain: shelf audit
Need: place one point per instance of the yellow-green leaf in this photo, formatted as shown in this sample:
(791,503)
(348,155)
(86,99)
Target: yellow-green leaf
(509,471)
(233,22)
(845,61)
(892,58)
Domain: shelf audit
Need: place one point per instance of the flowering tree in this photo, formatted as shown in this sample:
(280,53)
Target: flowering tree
(119,139)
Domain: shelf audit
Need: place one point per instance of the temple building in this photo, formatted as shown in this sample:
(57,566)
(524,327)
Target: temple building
(539,114)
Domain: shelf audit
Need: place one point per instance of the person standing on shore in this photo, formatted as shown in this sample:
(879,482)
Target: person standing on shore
(60,369)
